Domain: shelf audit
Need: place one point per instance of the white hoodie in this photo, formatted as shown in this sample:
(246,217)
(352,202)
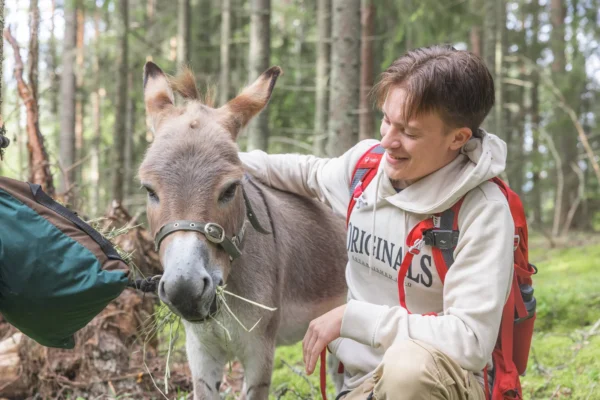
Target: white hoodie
(469,304)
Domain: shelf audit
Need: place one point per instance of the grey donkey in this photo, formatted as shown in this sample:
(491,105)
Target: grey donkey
(214,226)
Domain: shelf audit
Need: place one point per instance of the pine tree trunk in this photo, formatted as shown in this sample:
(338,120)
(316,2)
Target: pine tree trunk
(67,95)
(183,32)
(96,122)
(489,51)
(79,99)
(121,111)
(260,54)
(224,73)
(345,77)
(366,119)
(129,133)
(562,128)
(499,118)
(475,33)
(53,63)
(323,69)
(34,48)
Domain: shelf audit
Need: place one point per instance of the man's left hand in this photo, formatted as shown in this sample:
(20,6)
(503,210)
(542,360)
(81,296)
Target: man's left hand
(321,331)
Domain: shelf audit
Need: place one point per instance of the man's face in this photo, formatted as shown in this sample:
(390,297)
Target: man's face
(416,148)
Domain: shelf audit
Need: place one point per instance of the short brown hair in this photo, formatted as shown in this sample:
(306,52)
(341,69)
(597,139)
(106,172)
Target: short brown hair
(442,79)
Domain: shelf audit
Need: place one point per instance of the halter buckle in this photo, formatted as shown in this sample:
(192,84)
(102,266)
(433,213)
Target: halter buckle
(214,233)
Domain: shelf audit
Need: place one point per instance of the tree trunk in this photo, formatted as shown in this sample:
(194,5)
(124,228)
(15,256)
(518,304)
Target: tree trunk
(183,32)
(39,169)
(79,98)
(121,111)
(499,116)
(562,128)
(96,122)
(536,190)
(345,77)
(366,116)
(224,73)
(67,95)
(558,13)
(205,55)
(322,87)
(260,54)
(489,51)
(52,64)
(475,33)
(129,133)
(34,48)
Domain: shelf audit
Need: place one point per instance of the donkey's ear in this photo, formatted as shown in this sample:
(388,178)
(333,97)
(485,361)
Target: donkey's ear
(251,101)
(158,95)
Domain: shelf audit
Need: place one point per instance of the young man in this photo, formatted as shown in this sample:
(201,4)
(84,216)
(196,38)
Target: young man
(434,101)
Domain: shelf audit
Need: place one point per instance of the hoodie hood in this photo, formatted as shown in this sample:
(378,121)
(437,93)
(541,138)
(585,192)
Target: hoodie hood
(480,159)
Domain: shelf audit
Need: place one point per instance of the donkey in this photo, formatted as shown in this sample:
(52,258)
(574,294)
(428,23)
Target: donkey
(215,226)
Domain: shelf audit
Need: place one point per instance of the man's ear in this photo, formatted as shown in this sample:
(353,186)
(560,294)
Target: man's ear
(158,96)
(460,137)
(239,111)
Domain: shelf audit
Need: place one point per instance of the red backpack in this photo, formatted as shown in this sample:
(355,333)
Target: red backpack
(441,232)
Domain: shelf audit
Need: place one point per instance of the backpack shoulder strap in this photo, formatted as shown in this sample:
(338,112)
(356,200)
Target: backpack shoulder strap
(363,174)
(443,238)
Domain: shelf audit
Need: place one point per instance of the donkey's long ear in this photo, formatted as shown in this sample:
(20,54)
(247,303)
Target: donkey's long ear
(158,95)
(251,101)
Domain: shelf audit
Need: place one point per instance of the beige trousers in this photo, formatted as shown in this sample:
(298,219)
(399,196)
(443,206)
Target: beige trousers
(413,370)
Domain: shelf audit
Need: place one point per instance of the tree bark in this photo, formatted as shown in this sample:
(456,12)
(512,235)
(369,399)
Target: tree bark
(489,51)
(121,112)
(323,70)
(345,77)
(79,99)
(475,33)
(183,32)
(96,121)
(260,54)
(39,169)
(67,95)
(500,26)
(34,48)
(52,63)
(536,190)
(366,116)
(224,73)
(558,13)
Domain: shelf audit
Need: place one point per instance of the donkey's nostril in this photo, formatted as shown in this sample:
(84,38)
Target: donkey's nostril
(220,283)
(161,290)
(206,282)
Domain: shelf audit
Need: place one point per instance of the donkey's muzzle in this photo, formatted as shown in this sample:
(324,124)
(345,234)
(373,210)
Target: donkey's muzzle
(193,301)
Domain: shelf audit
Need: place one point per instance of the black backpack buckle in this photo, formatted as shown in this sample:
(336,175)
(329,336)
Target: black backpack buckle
(441,238)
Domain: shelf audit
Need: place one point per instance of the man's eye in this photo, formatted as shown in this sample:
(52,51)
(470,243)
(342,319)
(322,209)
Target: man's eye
(228,194)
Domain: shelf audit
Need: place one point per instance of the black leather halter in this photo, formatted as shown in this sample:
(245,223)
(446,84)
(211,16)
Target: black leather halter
(214,232)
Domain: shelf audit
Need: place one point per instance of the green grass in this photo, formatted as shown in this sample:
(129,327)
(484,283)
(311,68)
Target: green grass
(565,361)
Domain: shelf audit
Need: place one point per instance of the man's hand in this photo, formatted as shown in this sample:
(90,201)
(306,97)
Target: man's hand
(320,333)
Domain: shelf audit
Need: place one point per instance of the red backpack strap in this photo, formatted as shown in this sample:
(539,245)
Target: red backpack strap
(363,174)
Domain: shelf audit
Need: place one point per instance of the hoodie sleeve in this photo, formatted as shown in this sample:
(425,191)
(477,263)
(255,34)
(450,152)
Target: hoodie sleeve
(327,179)
(475,290)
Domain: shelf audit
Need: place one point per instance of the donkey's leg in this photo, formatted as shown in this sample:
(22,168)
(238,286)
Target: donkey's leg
(258,367)
(206,363)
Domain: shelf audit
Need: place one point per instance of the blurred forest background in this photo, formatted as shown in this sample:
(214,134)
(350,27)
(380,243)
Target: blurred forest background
(72,107)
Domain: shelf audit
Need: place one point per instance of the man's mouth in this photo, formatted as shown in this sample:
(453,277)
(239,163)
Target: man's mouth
(394,160)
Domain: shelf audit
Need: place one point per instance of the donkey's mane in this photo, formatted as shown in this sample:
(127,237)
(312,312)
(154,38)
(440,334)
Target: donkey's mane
(184,83)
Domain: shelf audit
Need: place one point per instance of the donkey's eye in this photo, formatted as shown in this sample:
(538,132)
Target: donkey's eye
(151,194)
(228,194)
